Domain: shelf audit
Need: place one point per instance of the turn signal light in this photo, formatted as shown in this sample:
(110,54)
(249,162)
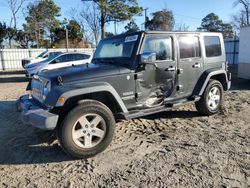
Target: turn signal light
(61,100)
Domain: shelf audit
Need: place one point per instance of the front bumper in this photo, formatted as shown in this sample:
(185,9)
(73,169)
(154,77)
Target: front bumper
(33,114)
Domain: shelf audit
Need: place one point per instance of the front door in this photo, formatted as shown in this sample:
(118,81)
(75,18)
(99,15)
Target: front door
(156,82)
(190,64)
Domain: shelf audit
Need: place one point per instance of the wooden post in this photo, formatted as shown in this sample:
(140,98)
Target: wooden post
(2,59)
(67,40)
(234,48)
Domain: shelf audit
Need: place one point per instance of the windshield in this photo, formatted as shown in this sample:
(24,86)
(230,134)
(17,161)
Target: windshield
(122,47)
(42,54)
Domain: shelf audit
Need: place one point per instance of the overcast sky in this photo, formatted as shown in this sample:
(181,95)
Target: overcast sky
(188,12)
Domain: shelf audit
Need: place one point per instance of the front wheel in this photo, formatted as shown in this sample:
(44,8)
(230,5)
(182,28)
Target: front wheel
(87,129)
(211,100)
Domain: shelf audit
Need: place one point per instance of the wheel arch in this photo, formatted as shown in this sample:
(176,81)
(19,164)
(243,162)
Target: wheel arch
(219,75)
(221,78)
(104,97)
(104,94)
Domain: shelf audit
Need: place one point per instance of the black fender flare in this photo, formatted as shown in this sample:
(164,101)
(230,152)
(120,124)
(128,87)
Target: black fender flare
(75,90)
(204,79)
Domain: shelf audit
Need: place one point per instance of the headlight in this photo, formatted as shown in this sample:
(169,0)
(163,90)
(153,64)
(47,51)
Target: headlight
(46,89)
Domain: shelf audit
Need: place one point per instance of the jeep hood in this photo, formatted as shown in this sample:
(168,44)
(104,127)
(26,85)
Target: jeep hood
(83,72)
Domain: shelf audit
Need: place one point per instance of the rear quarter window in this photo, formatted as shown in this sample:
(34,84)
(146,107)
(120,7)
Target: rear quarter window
(212,46)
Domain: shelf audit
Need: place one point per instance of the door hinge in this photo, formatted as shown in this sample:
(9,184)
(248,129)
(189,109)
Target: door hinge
(136,95)
(138,77)
(179,71)
(179,87)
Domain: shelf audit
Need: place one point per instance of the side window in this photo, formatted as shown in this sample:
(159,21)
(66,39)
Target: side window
(80,56)
(212,46)
(62,59)
(87,56)
(69,57)
(189,47)
(65,58)
(59,59)
(161,45)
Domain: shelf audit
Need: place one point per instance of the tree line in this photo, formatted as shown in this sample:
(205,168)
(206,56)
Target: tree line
(43,27)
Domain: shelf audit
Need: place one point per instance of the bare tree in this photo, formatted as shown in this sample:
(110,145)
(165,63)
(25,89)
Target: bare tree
(14,6)
(245,12)
(90,17)
(239,21)
(181,27)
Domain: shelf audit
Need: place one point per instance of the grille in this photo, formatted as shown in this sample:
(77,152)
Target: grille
(37,89)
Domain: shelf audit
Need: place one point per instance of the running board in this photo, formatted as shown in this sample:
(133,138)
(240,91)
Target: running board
(146,112)
(181,102)
(149,111)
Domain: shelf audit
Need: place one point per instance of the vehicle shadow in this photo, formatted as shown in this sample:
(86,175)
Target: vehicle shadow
(238,83)
(23,144)
(13,79)
(12,72)
(12,76)
(174,114)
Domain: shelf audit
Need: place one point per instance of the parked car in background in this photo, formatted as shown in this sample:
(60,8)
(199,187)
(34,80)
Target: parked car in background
(41,57)
(57,61)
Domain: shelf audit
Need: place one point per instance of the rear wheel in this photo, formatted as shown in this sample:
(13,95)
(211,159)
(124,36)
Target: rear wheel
(211,100)
(87,129)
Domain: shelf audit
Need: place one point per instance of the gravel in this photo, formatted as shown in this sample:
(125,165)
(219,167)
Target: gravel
(178,148)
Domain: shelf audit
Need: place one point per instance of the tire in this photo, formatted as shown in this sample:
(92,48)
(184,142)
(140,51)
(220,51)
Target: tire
(211,100)
(87,129)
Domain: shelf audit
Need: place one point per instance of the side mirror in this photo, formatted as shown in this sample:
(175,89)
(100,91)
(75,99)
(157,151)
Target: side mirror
(148,58)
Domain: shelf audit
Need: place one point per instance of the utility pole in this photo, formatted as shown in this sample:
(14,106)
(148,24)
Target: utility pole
(145,23)
(115,27)
(67,39)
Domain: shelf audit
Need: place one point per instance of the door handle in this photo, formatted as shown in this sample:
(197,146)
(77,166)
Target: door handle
(197,65)
(170,69)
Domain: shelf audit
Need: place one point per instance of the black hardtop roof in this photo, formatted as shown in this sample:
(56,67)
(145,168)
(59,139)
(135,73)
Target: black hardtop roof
(180,32)
(162,32)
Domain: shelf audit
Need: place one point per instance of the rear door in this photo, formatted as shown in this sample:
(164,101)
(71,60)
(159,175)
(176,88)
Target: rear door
(190,64)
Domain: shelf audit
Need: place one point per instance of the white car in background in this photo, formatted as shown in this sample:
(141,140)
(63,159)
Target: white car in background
(57,61)
(41,57)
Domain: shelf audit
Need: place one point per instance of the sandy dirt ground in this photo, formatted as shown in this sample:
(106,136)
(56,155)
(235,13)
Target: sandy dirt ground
(179,148)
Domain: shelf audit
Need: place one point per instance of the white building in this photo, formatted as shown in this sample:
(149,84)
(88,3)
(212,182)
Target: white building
(244,54)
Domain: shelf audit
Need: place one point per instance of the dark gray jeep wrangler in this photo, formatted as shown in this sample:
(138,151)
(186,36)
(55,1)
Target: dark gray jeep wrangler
(131,75)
